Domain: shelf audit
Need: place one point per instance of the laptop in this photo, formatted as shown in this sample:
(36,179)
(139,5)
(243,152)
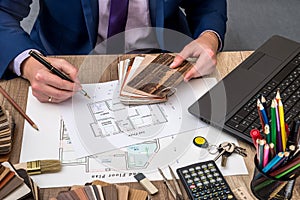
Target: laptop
(231,105)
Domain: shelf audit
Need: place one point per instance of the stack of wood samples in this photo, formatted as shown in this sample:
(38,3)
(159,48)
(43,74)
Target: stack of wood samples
(6,131)
(149,79)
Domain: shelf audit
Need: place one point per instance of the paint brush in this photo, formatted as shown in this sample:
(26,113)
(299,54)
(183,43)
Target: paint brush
(40,166)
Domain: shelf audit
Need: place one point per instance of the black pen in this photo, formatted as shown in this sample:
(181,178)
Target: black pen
(54,70)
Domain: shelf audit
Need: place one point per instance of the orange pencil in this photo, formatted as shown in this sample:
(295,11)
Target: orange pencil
(277,97)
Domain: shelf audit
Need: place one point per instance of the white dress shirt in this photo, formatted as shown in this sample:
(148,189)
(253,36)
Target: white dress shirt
(138,31)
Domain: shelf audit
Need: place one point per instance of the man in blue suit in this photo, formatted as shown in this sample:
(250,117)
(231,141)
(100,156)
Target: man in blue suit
(77,26)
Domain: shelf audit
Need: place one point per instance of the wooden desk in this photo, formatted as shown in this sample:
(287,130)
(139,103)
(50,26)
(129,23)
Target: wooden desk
(18,88)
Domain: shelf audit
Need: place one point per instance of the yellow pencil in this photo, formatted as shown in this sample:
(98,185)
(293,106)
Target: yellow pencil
(282,124)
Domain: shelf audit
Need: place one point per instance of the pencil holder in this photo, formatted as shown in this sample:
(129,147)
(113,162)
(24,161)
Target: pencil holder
(265,187)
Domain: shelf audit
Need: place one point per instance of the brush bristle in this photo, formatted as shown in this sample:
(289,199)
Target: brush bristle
(50,166)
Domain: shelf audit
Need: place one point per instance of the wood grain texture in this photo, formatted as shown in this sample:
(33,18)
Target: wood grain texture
(157,77)
(94,68)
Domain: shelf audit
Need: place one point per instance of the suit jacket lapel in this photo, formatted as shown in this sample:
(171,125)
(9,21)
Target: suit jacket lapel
(157,16)
(91,13)
(156,9)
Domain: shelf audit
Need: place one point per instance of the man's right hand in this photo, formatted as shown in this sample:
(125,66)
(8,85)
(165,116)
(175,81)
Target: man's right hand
(46,86)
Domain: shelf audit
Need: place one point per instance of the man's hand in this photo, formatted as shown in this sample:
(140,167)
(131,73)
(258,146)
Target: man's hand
(204,48)
(46,86)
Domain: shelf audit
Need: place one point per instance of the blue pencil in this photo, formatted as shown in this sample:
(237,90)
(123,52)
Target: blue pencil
(273,162)
(264,103)
(264,114)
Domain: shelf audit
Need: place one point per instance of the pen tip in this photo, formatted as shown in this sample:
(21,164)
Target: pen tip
(35,127)
(85,93)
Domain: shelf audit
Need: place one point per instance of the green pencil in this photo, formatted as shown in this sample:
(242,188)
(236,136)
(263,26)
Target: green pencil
(273,122)
(288,171)
(264,184)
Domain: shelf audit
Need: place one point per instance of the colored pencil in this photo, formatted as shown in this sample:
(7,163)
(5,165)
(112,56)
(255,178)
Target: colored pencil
(277,97)
(263,184)
(260,115)
(264,114)
(272,152)
(261,153)
(287,130)
(266,155)
(273,122)
(278,156)
(275,160)
(18,108)
(286,167)
(264,103)
(295,153)
(288,171)
(278,135)
(281,162)
(277,189)
(282,124)
(267,133)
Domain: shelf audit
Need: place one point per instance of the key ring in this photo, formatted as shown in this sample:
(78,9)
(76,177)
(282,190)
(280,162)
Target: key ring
(212,149)
(201,142)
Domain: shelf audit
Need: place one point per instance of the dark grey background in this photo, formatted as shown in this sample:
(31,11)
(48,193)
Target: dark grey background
(250,22)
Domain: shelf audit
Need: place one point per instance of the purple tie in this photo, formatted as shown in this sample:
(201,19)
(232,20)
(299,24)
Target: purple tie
(117,17)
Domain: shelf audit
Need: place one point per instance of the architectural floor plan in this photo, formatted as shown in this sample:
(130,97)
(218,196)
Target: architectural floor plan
(103,123)
(135,157)
(142,124)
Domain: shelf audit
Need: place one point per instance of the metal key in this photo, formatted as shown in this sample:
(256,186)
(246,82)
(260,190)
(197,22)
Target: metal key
(239,150)
(226,154)
(222,149)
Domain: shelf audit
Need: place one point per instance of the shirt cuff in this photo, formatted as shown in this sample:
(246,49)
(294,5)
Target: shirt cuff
(219,38)
(16,64)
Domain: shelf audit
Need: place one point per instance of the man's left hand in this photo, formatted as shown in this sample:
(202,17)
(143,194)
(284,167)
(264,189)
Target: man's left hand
(204,48)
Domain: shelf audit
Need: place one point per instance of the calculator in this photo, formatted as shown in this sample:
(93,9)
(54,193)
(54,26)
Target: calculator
(204,180)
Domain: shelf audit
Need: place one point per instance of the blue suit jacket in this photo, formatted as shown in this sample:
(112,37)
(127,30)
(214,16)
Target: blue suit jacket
(70,26)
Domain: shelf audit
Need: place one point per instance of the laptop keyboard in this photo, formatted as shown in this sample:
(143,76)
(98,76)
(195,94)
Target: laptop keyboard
(288,83)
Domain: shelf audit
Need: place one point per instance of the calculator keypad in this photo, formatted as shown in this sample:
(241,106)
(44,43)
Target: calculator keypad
(204,181)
